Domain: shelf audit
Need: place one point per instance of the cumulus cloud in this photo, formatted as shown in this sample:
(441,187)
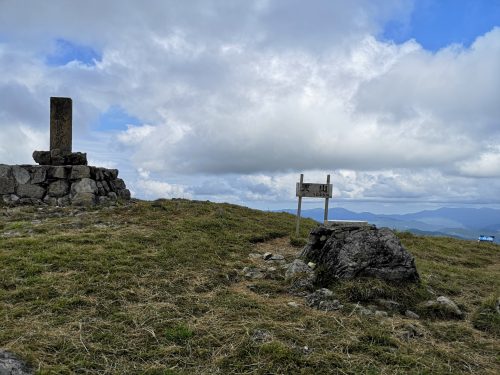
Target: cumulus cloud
(234,99)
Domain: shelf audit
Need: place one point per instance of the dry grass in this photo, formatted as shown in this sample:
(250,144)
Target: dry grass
(156,288)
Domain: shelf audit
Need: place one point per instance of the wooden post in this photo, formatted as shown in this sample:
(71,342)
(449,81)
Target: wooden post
(326,200)
(300,205)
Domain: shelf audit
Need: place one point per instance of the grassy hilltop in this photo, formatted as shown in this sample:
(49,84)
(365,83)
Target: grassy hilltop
(157,288)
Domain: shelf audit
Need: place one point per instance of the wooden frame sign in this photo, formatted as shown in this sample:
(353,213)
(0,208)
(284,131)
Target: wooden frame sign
(312,190)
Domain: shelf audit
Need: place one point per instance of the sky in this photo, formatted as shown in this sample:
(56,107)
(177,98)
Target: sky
(230,100)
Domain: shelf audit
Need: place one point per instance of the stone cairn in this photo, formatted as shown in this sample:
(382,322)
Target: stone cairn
(62,177)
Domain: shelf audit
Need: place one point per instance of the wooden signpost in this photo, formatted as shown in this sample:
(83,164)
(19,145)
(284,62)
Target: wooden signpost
(311,190)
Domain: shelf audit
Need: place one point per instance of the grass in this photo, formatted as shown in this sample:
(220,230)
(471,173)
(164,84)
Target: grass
(156,288)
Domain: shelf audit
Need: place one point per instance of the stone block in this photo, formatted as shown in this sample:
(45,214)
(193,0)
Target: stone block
(58,188)
(61,126)
(119,184)
(100,188)
(64,201)
(105,185)
(30,191)
(51,201)
(38,174)
(5,170)
(76,158)
(112,195)
(124,194)
(7,185)
(42,157)
(31,201)
(10,198)
(58,172)
(85,185)
(79,172)
(83,199)
(21,175)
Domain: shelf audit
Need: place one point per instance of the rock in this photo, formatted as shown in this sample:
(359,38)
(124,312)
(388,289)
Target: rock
(323,299)
(85,185)
(388,304)
(297,267)
(7,185)
(442,307)
(277,258)
(253,273)
(21,175)
(351,251)
(64,201)
(58,188)
(75,158)
(80,172)
(112,196)
(293,304)
(12,365)
(30,191)
(42,157)
(261,336)
(30,201)
(255,256)
(301,286)
(267,255)
(58,172)
(410,331)
(311,265)
(51,201)
(83,199)
(124,194)
(5,170)
(38,174)
(381,314)
(10,199)
(410,314)
(119,184)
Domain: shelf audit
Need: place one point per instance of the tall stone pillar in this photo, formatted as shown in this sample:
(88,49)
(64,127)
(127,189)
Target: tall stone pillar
(61,124)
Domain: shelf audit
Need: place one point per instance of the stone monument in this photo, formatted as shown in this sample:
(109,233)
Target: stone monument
(62,176)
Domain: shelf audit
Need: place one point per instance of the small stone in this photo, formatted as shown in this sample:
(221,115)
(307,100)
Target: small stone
(297,267)
(381,314)
(51,201)
(277,258)
(410,314)
(12,365)
(311,265)
(267,256)
(443,307)
(314,299)
(254,256)
(10,198)
(253,273)
(293,304)
(388,304)
(261,336)
(330,305)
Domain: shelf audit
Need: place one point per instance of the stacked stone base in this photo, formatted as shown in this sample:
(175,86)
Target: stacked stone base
(60,185)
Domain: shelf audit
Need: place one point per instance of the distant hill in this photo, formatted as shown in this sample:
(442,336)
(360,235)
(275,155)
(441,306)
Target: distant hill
(466,223)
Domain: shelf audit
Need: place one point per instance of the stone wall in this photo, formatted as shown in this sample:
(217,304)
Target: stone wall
(60,185)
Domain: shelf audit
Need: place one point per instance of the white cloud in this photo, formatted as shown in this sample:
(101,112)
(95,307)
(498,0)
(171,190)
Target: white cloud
(236,98)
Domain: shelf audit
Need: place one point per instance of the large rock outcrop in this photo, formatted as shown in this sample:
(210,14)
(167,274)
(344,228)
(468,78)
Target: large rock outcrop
(347,251)
(60,185)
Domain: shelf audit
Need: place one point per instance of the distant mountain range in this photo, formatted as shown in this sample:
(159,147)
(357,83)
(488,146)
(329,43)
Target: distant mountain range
(466,223)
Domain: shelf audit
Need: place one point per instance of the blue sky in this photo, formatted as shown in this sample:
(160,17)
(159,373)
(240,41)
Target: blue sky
(435,24)
(231,101)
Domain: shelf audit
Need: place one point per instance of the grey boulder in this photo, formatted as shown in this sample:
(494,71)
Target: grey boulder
(353,251)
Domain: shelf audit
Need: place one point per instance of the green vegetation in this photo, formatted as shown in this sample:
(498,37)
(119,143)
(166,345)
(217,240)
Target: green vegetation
(157,288)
